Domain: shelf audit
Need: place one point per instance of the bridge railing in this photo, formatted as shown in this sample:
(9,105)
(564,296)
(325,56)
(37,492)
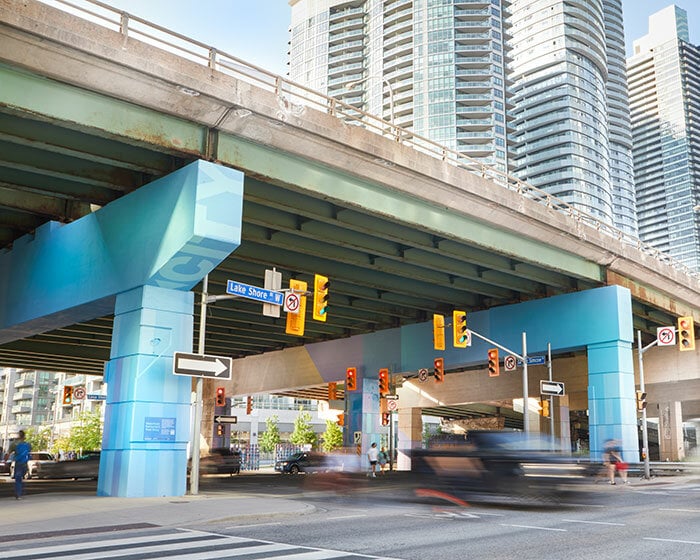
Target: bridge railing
(295,98)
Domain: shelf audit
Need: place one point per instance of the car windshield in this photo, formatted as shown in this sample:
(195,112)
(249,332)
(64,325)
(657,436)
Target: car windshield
(295,456)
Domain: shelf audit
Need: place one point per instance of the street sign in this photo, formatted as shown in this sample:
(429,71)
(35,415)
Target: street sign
(226,419)
(534,361)
(554,388)
(509,363)
(665,336)
(296,321)
(422,374)
(254,292)
(96,397)
(357,438)
(391,397)
(202,365)
(79,393)
(392,404)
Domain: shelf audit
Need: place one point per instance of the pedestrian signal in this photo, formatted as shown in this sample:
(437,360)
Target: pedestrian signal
(220,396)
(219,429)
(544,404)
(332,391)
(67,395)
(249,405)
(494,368)
(460,337)
(686,334)
(386,418)
(641,400)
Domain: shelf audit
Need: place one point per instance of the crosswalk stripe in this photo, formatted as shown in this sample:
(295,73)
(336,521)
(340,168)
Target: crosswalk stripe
(170,544)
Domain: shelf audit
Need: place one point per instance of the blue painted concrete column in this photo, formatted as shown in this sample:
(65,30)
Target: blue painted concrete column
(147,426)
(611,398)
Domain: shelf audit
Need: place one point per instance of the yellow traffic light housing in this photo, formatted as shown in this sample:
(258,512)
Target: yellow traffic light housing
(67,395)
(686,334)
(460,337)
(249,405)
(641,400)
(544,404)
(438,332)
(332,391)
(384,381)
(351,379)
(439,369)
(220,396)
(494,367)
(321,285)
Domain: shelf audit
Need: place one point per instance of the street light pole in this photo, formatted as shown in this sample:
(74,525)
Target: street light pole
(386,82)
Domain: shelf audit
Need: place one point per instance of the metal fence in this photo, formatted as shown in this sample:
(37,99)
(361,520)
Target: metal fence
(295,99)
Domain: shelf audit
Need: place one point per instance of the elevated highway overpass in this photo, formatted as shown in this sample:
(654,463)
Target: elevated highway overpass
(90,112)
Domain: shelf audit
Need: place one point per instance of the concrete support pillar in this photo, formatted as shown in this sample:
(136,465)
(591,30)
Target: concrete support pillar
(671,446)
(410,435)
(611,399)
(147,415)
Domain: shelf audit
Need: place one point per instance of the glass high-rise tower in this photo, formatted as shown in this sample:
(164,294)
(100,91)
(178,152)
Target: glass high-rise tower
(533,87)
(664,83)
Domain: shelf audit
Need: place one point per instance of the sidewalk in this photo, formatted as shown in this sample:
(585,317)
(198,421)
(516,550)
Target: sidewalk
(46,513)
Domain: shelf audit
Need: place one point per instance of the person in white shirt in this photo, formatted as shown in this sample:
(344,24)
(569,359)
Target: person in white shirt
(373,456)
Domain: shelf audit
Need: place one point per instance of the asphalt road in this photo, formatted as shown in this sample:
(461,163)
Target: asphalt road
(382,518)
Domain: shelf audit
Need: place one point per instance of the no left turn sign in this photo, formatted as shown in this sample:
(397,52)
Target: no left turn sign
(79,393)
(291,302)
(665,336)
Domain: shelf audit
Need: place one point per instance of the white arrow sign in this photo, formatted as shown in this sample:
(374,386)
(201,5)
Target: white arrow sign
(202,365)
(555,388)
(226,419)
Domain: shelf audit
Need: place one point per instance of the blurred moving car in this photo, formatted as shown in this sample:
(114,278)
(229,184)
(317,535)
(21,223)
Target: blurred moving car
(35,459)
(85,466)
(314,461)
(220,460)
(488,463)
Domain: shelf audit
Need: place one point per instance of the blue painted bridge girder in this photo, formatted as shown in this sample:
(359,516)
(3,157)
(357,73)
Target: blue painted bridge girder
(144,251)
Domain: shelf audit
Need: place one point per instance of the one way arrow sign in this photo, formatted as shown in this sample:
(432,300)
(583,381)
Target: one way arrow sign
(226,419)
(202,365)
(554,388)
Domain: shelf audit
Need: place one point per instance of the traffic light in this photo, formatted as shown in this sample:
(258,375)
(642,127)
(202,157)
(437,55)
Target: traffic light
(686,334)
(384,381)
(494,368)
(220,396)
(438,332)
(460,338)
(386,418)
(332,391)
(641,400)
(67,395)
(341,419)
(351,379)
(439,369)
(544,404)
(249,405)
(220,430)
(321,285)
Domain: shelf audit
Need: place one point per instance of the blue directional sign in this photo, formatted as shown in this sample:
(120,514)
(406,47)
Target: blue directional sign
(253,292)
(534,361)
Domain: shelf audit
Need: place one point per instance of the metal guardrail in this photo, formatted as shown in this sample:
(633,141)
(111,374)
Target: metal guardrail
(295,98)
(667,468)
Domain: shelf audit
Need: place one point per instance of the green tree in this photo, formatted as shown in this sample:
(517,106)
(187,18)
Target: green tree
(269,439)
(38,438)
(86,435)
(303,432)
(332,437)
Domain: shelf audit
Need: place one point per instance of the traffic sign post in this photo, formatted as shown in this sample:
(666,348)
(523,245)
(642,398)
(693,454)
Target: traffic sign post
(201,365)
(553,388)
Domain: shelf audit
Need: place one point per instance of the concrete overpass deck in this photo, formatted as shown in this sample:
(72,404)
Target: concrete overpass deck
(405,228)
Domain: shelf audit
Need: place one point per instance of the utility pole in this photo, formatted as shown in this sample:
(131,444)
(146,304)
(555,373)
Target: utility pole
(645,433)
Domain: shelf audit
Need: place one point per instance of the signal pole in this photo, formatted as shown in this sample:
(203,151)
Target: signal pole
(645,433)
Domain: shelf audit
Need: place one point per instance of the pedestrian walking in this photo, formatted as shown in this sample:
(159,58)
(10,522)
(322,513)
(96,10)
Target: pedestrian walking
(383,459)
(612,456)
(20,451)
(373,456)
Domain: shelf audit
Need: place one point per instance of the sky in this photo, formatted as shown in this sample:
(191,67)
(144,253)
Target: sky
(257,30)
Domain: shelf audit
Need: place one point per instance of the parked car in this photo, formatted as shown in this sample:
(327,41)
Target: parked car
(85,466)
(5,465)
(220,460)
(35,459)
(308,462)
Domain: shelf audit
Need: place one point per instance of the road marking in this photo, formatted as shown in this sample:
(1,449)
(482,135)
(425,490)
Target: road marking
(592,522)
(253,525)
(671,540)
(534,527)
(683,510)
(348,516)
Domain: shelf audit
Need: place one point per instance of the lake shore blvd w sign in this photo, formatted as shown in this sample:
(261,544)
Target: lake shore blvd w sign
(202,365)
(254,292)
